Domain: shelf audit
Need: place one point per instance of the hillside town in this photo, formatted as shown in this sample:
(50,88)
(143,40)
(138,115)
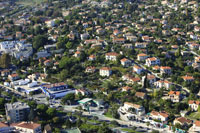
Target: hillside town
(99,66)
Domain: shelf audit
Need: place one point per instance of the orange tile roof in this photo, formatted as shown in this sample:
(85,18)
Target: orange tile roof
(112,54)
(151,77)
(124,60)
(142,54)
(152,59)
(174,93)
(133,105)
(77,52)
(14,75)
(156,67)
(119,39)
(92,56)
(140,94)
(154,113)
(183,120)
(126,88)
(194,102)
(197,123)
(137,79)
(106,68)
(165,67)
(164,114)
(137,67)
(187,77)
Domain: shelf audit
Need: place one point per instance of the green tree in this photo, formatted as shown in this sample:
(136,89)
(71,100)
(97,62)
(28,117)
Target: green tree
(51,112)
(69,45)
(14,99)
(39,41)
(5,60)
(69,97)
(41,109)
(32,104)
(31,115)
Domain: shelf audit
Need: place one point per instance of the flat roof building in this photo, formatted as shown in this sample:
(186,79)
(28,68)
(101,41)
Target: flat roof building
(56,90)
(16,112)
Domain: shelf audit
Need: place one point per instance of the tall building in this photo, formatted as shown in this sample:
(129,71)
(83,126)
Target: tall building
(17,112)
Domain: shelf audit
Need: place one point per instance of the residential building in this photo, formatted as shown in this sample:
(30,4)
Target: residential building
(141,95)
(165,70)
(131,38)
(5,72)
(151,79)
(127,46)
(182,121)
(162,116)
(125,62)
(152,61)
(175,96)
(50,23)
(105,71)
(16,112)
(118,40)
(137,109)
(111,56)
(142,57)
(195,127)
(126,88)
(81,91)
(134,80)
(141,45)
(13,77)
(56,90)
(137,69)
(92,57)
(166,84)
(27,127)
(77,54)
(17,49)
(194,105)
(188,78)
(90,69)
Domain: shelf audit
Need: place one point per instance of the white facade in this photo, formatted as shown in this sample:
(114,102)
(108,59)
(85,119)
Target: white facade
(16,48)
(139,110)
(160,84)
(142,57)
(84,36)
(50,23)
(152,61)
(194,106)
(105,72)
(138,69)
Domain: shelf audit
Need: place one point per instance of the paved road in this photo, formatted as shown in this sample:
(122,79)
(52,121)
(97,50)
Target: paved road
(13,90)
(149,71)
(103,117)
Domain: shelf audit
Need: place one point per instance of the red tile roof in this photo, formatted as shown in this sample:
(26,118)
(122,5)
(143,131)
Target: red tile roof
(112,54)
(197,123)
(194,102)
(174,93)
(105,68)
(27,125)
(2,125)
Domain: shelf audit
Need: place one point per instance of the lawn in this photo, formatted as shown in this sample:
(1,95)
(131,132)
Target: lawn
(194,115)
(128,130)
(108,115)
(29,2)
